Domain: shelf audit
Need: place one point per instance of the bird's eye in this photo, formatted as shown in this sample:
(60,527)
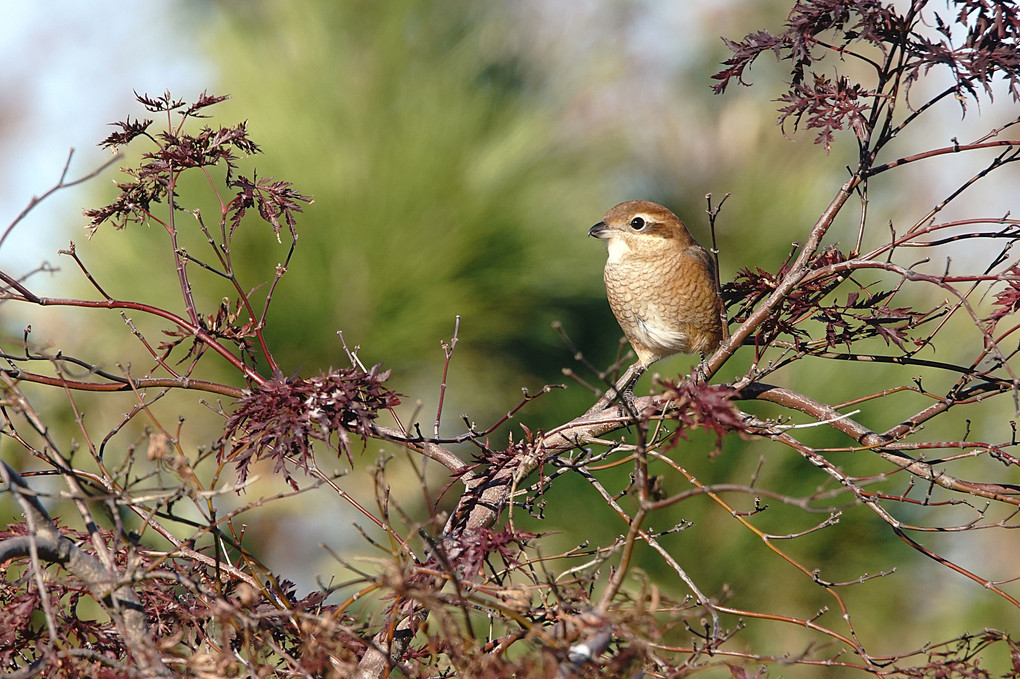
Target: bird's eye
(637,223)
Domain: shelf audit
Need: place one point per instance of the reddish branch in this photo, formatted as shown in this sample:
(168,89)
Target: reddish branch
(46,544)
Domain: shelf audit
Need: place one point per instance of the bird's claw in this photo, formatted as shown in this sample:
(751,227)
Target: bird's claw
(629,401)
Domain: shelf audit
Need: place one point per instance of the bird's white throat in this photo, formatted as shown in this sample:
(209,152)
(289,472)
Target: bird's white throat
(618,249)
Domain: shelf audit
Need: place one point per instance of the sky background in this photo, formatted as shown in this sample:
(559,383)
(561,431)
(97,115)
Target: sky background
(70,70)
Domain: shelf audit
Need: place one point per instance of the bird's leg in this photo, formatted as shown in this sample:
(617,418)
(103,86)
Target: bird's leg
(623,389)
(627,395)
(629,400)
(701,371)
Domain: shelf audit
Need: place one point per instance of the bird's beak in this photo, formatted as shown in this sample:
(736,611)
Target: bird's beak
(600,230)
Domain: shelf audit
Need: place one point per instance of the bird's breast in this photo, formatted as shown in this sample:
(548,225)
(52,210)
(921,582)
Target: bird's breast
(666,305)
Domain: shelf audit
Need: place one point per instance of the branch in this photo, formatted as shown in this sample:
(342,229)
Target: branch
(877,443)
(955,148)
(119,600)
(200,333)
(125,383)
(61,184)
(789,282)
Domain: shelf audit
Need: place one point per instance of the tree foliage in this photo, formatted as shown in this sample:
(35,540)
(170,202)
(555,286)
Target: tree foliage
(476,584)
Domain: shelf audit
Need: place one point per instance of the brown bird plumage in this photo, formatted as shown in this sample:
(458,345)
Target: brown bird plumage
(661,284)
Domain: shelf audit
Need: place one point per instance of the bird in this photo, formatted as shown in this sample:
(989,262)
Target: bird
(662,286)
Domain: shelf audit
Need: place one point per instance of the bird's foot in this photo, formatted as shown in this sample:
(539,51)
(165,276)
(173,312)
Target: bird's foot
(630,401)
(623,390)
(700,372)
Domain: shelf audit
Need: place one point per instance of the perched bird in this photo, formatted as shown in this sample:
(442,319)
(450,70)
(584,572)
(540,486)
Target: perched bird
(661,285)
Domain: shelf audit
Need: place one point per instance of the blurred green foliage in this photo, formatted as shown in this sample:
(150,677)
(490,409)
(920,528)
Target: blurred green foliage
(443,186)
(455,173)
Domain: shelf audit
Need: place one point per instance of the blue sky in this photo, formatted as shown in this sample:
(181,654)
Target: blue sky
(70,69)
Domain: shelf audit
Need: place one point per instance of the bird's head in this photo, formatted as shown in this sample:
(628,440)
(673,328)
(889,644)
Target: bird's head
(640,228)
